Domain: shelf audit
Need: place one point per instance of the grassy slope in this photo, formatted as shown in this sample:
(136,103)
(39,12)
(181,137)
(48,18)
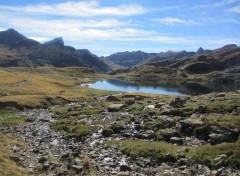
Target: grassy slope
(7,166)
(31,87)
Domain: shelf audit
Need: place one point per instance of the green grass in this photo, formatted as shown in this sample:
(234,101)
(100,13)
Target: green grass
(210,152)
(212,103)
(138,148)
(70,128)
(66,111)
(8,119)
(223,121)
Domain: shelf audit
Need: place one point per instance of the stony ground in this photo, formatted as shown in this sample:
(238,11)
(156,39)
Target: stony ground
(130,135)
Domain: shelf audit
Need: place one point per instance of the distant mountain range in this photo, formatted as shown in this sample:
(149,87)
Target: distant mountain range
(18,50)
(137,58)
(221,65)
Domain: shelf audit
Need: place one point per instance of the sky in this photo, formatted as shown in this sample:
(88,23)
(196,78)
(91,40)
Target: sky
(108,26)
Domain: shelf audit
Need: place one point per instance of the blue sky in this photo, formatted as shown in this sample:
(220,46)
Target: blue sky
(109,26)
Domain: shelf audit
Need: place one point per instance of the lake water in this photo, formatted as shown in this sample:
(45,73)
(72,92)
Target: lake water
(124,86)
(166,88)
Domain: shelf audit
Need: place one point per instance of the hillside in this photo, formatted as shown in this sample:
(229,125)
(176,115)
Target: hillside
(137,58)
(17,50)
(221,65)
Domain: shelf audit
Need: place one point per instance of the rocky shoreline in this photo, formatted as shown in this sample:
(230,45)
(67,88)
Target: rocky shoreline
(50,152)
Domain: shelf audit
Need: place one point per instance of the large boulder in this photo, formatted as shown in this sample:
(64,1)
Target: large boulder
(115,107)
(187,126)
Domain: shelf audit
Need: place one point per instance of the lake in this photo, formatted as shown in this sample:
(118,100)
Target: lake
(165,88)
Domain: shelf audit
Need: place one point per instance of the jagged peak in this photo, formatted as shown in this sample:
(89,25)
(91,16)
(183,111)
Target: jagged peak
(84,51)
(200,50)
(57,41)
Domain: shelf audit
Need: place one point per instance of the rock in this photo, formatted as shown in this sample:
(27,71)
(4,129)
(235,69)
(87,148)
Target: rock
(184,162)
(125,168)
(222,94)
(150,107)
(177,103)
(112,98)
(138,98)
(129,102)
(124,173)
(159,105)
(16,149)
(42,159)
(220,157)
(201,109)
(176,140)
(115,107)
(15,158)
(77,168)
(215,138)
(187,126)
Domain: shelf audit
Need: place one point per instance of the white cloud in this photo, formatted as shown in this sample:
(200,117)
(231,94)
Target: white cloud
(235,9)
(80,9)
(173,21)
(40,39)
(216,5)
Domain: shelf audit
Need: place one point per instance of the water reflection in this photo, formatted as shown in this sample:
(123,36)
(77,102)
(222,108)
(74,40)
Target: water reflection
(167,88)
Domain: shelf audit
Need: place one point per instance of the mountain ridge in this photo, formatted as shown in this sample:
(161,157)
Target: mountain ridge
(18,50)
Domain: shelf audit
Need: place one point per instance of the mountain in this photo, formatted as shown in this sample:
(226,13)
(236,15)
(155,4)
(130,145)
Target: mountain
(137,58)
(11,36)
(57,41)
(17,50)
(128,59)
(221,65)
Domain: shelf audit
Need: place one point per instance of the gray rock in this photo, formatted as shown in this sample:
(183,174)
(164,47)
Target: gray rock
(112,98)
(115,107)
(150,107)
(42,159)
(222,94)
(125,168)
(176,140)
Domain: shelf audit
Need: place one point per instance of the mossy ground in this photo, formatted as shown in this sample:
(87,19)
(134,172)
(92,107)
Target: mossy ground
(70,128)
(139,148)
(8,118)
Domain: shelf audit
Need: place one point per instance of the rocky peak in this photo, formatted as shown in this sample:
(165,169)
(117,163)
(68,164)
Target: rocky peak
(84,51)
(57,41)
(200,50)
(230,46)
(11,36)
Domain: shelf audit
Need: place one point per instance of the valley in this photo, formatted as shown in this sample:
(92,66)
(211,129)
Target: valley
(53,123)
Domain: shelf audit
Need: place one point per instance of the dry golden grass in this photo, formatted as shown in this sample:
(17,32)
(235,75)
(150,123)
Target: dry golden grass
(7,166)
(28,86)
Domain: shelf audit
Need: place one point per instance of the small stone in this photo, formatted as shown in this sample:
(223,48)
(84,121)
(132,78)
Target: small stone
(124,173)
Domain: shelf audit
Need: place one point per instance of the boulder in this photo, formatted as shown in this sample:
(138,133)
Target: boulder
(149,107)
(112,98)
(129,102)
(222,94)
(177,103)
(115,107)
(187,126)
